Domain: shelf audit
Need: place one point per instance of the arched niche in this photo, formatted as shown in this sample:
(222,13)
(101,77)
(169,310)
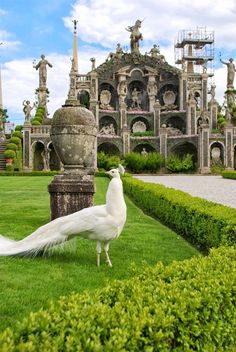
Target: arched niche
(105,122)
(176,122)
(140,148)
(140,87)
(38,152)
(143,120)
(84,98)
(168,96)
(217,154)
(109,149)
(184,148)
(112,100)
(54,161)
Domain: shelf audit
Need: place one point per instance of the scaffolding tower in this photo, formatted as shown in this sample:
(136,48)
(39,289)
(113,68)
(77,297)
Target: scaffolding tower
(194,49)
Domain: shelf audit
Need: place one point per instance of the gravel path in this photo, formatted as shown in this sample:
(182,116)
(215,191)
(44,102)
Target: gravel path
(213,188)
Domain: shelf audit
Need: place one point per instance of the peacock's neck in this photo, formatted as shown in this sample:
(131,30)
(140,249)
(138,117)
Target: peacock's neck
(114,198)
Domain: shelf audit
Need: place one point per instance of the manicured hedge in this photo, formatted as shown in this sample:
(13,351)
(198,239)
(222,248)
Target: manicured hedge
(229,174)
(30,173)
(186,306)
(201,222)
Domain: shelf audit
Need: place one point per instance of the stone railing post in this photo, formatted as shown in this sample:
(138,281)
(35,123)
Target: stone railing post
(204,152)
(27,153)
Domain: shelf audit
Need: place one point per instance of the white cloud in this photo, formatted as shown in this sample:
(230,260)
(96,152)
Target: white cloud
(104,21)
(5,38)
(20,80)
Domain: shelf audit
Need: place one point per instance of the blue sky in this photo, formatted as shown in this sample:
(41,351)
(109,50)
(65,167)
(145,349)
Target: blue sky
(29,29)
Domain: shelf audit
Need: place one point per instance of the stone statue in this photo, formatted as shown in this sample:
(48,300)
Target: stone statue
(231,72)
(122,88)
(228,116)
(144,152)
(155,51)
(93,60)
(136,103)
(135,36)
(119,52)
(152,88)
(213,91)
(42,67)
(27,108)
(108,130)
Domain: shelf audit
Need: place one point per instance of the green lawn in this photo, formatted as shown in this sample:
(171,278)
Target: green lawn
(27,284)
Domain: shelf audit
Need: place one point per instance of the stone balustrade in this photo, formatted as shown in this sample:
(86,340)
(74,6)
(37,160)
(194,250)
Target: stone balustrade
(83,78)
(42,129)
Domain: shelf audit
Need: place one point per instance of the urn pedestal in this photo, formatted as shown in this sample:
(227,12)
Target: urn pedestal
(73,135)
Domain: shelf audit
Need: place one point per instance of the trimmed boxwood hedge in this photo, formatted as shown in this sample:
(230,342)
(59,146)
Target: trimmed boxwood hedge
(229,174)
(201,222)
(186,306)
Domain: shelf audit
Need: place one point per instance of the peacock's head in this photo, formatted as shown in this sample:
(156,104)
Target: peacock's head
(116,172)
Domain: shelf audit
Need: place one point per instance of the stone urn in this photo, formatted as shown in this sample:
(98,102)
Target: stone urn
(73,135)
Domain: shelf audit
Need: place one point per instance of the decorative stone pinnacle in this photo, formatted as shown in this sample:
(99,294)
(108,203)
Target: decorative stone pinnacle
(75,24)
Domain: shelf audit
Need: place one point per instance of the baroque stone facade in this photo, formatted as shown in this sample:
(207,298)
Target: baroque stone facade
(140,101)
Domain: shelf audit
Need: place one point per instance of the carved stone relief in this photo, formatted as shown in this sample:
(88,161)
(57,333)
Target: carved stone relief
(139,126)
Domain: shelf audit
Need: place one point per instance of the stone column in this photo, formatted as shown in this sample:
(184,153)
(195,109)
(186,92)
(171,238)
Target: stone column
(123,115)
(213,114)
(126,139)
(73,136)
(27,153)
(157,117)
(183,91)
(204,152)
(191,127)
(152,91)
(229,147)
(163,141)
(94,94)
(204,91)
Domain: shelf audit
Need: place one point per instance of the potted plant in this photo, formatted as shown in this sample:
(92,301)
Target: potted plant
(9,156)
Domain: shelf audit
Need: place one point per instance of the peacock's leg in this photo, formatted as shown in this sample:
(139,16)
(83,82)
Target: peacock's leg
(106,249)
(98,251)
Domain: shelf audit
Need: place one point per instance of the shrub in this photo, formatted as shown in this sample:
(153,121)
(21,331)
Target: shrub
(12,146)
(186,306)
(15,140)
(107,162)
(35,123)
(201,222)
(18,128)
(138,163)
(175,164)
(17,134)
(9,154)
(229,174)
(143,134)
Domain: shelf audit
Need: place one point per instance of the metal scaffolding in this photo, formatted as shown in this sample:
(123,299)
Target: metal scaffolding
(195,49)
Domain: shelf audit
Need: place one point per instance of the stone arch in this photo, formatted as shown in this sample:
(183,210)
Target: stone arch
(184,148)
(198,98)
(54,161)
(109,148)
(114,97)
(176,122)
(217,158)
(38,149)
(84,98)
(107,120)
(143,120)
(167,88)
(148,147)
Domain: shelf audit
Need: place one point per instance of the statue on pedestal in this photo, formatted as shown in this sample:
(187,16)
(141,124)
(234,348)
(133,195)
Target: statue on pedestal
(231,72)
(27,108)
(136,101)
(135,36)
(42,67)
